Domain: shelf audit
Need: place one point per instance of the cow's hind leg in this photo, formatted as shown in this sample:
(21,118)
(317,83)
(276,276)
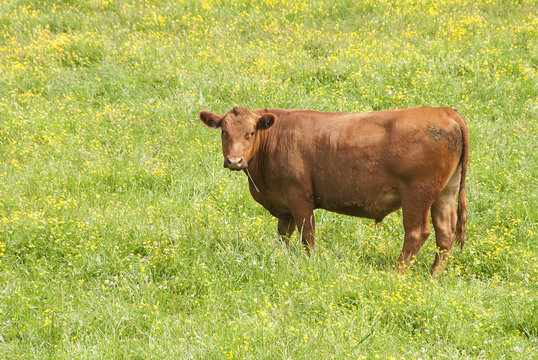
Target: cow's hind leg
(286,227)
(416,205)
(444,219)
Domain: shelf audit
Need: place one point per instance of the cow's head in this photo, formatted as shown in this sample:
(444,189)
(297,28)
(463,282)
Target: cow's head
(240,128)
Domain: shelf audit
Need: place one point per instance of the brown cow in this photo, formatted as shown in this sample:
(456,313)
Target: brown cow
(366,165)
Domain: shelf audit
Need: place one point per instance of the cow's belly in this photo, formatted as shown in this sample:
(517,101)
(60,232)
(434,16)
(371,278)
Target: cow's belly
(373,203)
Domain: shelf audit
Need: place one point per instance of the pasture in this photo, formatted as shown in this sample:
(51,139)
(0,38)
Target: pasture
(122,237)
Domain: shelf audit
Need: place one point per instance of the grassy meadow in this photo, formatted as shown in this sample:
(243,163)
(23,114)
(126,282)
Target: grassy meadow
(122,237)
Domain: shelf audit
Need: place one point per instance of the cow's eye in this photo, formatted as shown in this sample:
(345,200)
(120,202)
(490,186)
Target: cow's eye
(252,133)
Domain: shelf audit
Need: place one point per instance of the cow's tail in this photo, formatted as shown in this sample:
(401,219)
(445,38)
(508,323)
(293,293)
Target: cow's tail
(462,198)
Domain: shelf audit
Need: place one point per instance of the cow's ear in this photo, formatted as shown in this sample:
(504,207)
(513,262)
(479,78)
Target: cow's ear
(211,119)
(265,121)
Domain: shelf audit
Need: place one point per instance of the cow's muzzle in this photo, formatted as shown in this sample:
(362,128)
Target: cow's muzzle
(235,163)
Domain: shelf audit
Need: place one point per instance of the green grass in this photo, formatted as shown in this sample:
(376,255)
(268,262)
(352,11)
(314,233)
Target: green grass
(122,237)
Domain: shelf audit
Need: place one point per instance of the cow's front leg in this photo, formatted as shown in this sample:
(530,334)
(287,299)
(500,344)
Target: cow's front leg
(305,224)
(286,227)
(302,211)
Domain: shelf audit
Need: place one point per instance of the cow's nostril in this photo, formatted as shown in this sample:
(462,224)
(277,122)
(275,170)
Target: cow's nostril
(234,163)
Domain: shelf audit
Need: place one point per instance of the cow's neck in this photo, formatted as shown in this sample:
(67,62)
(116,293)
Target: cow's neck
(257,166)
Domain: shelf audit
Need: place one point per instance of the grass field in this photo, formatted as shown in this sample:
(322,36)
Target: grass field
(122,237)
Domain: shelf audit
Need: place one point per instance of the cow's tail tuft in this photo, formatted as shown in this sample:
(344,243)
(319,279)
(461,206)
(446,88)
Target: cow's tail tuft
(462,198)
